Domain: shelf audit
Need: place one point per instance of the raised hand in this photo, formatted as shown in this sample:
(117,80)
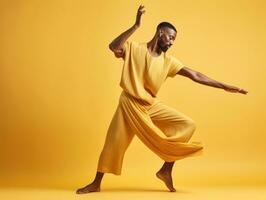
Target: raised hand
(139,14)
(235,89)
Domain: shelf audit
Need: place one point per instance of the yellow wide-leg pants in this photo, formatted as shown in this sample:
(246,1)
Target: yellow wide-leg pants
(161,128)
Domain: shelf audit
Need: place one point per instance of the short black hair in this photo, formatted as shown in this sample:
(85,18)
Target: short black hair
(166,24)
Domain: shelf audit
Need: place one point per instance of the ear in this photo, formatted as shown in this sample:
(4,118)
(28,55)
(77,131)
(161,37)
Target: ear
(160,33)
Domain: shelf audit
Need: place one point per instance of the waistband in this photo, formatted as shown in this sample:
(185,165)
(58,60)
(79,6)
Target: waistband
(140,101)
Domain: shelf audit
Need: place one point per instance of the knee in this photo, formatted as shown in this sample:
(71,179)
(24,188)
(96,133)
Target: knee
(190,124)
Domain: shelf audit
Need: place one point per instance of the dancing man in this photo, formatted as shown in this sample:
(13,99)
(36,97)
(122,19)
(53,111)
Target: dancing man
(164,130)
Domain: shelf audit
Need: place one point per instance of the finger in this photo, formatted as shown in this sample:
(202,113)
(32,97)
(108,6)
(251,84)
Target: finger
(243,91)
(142,11)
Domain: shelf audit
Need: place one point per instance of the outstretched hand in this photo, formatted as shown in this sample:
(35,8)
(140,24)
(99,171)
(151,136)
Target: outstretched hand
(139,14)
(235,89)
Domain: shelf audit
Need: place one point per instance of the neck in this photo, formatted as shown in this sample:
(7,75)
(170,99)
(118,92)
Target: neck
(153,47)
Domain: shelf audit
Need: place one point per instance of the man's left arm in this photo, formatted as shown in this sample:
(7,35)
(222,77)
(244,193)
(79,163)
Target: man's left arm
(203,79)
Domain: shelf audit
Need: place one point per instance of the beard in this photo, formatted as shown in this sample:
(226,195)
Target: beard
(163,48)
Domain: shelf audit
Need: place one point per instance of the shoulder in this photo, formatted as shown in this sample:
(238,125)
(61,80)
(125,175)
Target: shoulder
(173,64)
(132,43)
(130,47)
(170,59)
(133,46)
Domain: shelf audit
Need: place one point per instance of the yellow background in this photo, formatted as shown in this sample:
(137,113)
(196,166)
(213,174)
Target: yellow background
(60,87)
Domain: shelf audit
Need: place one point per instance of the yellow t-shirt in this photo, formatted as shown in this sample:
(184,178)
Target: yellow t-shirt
(143,74)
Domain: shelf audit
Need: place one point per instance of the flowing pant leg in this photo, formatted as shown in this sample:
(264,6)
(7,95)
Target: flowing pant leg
(169,149)
(162,129)
(118,138)
(173,123)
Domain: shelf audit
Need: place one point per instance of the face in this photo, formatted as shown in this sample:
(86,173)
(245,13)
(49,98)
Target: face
(166,39)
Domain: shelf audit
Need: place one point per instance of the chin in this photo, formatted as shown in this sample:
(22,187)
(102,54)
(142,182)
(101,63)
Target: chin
(164,49)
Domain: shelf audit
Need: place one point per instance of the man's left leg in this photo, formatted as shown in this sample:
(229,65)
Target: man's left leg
(165,174)
(173,124)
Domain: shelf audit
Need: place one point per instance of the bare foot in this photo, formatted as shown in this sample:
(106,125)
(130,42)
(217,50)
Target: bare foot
(167,179)
(93,187)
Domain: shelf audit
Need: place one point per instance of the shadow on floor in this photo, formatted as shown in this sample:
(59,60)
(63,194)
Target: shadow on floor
(103,189)
(141,190)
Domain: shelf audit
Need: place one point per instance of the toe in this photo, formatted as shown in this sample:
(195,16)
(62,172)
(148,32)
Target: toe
(79,191)
(173,190)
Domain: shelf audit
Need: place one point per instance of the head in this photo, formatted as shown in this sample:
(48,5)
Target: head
(166,34)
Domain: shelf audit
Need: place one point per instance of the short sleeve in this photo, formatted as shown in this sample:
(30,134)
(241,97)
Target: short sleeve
(122,53)
(175,66)
(127,46)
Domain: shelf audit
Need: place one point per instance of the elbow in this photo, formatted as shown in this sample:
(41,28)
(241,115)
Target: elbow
(199,78)
(195,76)
(110,46)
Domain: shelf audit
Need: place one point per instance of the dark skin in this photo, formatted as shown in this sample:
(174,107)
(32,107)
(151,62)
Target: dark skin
(161,42)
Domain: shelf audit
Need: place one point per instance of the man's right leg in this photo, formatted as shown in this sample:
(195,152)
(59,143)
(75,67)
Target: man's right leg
(118,138)
(94,186)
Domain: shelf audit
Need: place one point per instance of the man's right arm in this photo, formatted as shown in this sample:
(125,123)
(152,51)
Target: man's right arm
(117,45)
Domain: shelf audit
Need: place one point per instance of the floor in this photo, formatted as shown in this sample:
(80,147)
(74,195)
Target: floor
(128,193)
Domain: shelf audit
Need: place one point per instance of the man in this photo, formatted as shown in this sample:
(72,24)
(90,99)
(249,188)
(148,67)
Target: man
(162,129)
